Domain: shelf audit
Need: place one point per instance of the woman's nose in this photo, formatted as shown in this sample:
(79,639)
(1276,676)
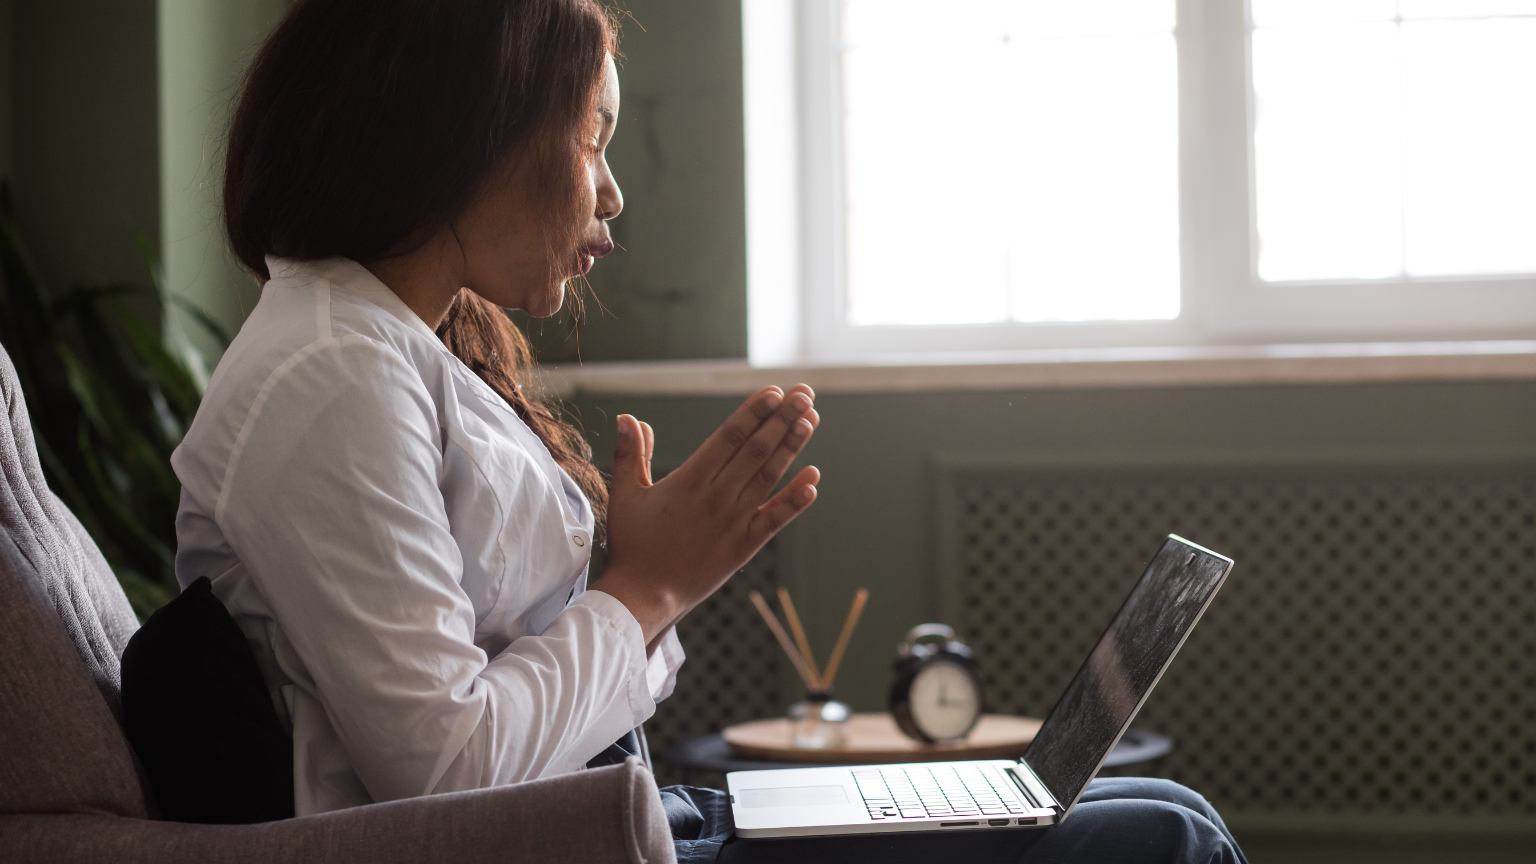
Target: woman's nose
(610,201)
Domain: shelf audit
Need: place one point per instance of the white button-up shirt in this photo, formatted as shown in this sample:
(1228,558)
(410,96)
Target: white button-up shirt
(404,555)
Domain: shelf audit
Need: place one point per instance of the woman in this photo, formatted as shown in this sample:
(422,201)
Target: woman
(401,530)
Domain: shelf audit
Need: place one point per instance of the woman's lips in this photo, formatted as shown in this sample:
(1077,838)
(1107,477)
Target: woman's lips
(592,252)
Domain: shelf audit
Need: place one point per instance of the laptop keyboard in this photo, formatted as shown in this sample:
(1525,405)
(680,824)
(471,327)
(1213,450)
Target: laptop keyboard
(923,791)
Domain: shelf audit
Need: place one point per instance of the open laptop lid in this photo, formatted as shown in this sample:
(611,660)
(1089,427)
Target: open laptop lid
(1111,685)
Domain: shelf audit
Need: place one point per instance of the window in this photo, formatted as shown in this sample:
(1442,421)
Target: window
(1413,119)
(996,175)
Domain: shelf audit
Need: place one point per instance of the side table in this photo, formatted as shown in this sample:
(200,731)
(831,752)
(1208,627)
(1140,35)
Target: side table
(706,759)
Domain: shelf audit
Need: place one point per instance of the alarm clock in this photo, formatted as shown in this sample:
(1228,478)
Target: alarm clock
(935,695)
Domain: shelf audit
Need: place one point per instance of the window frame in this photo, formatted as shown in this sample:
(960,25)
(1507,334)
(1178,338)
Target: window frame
(1222,299)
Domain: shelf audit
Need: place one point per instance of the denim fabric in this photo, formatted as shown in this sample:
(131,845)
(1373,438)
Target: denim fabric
(1118,819)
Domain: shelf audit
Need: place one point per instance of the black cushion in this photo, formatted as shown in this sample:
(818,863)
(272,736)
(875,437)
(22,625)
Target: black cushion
(199,715)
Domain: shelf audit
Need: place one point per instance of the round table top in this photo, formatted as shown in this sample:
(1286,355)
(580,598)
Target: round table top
(874,737)
(712,753)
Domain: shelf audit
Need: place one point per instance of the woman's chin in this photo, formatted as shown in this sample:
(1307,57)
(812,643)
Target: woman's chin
(553,301)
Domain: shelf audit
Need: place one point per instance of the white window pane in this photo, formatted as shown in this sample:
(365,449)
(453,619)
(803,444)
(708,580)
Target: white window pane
(922,130)
(1094,163)
(1469,143)
(1327,153)
(1277,13)
(998,163)
(1465,8)
(1089,17)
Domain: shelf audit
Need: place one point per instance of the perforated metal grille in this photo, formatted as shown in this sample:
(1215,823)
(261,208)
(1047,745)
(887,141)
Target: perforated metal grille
(1371,652)
(733,669)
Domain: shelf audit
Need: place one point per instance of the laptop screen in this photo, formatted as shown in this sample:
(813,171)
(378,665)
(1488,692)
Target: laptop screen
(1108,690)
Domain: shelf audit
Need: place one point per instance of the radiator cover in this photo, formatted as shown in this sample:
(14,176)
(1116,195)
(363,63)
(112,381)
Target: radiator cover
(1371,653)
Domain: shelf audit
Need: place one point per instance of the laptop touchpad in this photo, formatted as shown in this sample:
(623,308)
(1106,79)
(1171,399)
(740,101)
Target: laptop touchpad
(791,796)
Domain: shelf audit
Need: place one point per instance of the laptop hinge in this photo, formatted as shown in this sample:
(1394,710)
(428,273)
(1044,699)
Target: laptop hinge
(1024,778)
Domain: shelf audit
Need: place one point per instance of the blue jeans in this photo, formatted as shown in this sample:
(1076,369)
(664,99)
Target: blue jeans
(1118,819)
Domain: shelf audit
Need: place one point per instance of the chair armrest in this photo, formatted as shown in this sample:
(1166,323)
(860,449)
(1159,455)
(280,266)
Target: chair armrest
(610,814)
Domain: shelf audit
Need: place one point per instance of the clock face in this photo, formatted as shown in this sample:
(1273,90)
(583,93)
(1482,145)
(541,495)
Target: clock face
(944,700)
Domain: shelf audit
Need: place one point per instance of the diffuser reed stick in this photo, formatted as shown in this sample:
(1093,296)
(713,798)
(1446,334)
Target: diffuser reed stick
(799,649)
(802,665)
(859,599)
(818,685)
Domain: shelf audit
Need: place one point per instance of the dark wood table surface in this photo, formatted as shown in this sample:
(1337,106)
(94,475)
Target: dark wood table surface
(709,754)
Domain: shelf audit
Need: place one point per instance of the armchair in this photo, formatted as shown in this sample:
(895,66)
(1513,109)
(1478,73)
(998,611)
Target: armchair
(70,788)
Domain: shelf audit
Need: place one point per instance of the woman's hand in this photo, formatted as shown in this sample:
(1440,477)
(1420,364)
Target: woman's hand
(674,542)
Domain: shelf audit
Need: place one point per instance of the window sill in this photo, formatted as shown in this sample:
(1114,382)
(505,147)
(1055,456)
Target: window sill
(1089,368)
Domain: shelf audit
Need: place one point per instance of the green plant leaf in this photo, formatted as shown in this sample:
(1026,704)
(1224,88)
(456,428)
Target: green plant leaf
(166,371)
(145,595)
(110,397)
(208,322)
(79,378)
(150,551)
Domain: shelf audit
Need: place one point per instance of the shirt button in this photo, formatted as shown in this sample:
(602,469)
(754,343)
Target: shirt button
(579,540)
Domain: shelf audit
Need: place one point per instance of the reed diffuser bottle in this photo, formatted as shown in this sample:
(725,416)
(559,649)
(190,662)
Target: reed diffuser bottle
(817,722)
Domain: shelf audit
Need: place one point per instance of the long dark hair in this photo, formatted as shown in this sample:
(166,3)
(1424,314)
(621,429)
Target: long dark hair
(363,128)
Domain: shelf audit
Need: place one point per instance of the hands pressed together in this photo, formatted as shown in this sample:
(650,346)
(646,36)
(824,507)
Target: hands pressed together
(674,542)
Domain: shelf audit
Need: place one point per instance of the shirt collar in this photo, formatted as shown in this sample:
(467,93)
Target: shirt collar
(353,278)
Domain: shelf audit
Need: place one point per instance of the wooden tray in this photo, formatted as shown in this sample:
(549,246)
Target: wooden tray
(875,738)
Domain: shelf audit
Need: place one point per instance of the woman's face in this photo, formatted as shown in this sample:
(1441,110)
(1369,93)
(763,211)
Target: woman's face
(504,244)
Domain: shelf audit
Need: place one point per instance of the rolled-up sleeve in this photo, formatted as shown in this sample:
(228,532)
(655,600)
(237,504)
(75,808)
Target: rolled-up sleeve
(331,500)
(666,659)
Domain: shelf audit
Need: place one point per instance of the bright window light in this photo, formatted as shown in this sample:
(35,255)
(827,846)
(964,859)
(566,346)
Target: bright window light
(978,178)
(1393,138)
(1009,161)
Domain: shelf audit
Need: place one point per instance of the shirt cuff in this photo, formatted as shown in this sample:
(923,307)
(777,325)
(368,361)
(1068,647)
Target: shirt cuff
(661,673)
(618,617)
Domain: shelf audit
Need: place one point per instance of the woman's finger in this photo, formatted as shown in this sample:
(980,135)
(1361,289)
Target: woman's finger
(629,451)
(737,429)
(782,508)
(761,446)
(760,484)
(649,451)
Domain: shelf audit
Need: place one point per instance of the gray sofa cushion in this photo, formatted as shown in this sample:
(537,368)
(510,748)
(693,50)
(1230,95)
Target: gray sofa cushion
(61,749)
(606,815)
(63,622)
(82,589)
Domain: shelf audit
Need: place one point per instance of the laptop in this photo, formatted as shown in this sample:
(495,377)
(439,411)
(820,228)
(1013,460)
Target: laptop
(1035,791)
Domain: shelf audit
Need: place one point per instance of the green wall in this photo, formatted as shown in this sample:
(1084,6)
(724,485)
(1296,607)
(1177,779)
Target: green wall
(882,521)
(875,522)
(112,131)
(204,46)
(81,133)
(678,290)
(7,85)
(112,117)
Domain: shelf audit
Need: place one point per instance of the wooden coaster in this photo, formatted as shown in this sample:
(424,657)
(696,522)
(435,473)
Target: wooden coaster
(875,738)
